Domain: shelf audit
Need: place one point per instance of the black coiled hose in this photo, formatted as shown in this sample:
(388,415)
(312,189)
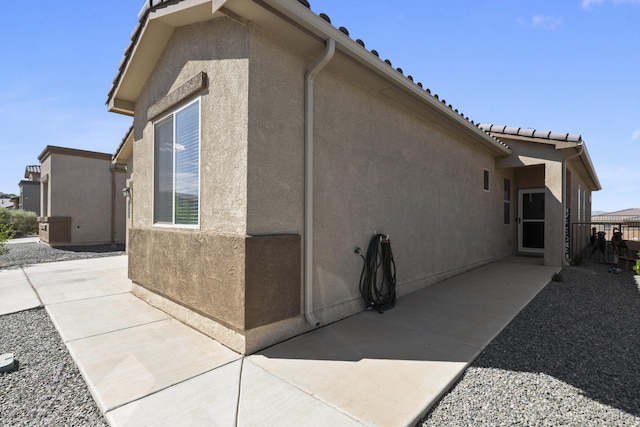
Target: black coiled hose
(378,288)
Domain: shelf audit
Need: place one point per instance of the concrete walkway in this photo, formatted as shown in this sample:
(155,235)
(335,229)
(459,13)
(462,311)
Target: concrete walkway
(31,239)
(145,368)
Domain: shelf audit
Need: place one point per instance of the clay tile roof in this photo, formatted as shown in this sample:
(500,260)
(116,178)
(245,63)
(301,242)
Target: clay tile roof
(632,212)
(31,169)
(151,5)
(124,141)
(531,133)
(148,6)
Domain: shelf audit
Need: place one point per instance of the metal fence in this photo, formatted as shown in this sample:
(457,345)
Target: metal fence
(583,238)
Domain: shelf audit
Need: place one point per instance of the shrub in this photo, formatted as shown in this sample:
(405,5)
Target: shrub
(557,277)
(636,267)
(6,231)
(23,223)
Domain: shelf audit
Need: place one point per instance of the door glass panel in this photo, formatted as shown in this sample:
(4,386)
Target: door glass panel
(533,206)
(533,235)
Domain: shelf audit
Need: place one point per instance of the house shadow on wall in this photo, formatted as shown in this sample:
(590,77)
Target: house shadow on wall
(583,332)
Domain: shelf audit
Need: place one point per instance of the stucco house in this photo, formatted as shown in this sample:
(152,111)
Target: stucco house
(554,177)
(30,189)
(268,144)
(7,202)
(81,200)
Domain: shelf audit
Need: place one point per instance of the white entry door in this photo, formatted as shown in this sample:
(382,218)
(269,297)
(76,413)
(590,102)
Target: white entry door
(531,220)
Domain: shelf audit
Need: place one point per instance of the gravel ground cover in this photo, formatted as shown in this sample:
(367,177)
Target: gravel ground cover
(34,253)
(46,388)
(570,358)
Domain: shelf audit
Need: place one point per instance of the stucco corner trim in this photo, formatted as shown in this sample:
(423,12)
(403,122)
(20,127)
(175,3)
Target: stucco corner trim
(189,88)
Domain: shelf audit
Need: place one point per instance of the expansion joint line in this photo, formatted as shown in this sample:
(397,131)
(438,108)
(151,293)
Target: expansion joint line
(239,389)
(35,291)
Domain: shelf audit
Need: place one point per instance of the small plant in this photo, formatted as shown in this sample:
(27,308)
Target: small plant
(557,277)
(6,232)
(23,223)
(577,260)
(636,267)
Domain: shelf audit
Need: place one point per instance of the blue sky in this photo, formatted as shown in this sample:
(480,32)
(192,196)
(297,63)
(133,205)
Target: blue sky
(566,66)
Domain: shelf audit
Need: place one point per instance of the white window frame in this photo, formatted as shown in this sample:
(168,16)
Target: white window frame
(153,162)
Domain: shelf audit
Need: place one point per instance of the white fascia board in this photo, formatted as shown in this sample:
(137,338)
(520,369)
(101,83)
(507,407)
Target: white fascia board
(154,36)
(588,164)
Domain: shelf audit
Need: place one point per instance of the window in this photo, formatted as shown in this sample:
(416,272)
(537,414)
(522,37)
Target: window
(579,203)
(176,180)
(507,201)
(486,180)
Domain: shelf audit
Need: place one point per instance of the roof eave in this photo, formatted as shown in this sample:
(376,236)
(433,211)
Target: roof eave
(559,145)
(157,26)
(125,149)
(588,164)
(585,159)
(148,42)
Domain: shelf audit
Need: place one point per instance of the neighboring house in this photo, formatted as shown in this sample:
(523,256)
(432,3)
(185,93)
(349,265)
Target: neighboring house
(30,189)
(7,202)
(628,215)
(81,199)
(626,220)
(268,144)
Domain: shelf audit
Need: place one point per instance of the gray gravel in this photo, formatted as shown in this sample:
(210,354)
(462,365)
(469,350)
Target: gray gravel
(47,388)
(35,253)
(570,358)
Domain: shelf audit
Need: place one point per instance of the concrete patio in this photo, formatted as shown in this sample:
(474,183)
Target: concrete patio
(145,368)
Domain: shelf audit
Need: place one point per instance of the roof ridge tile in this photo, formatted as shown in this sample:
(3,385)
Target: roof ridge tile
(531,133)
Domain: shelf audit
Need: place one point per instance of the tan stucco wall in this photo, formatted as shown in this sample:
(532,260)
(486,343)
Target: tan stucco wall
(218,48)
(539,165)
(30,196)
(275,183)
(382,169)
(578,182)
(529,177)
(378,167)
(204,269)
(579,214)
(45,190)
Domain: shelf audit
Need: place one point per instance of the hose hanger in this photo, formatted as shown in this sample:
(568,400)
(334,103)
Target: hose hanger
(378,277)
